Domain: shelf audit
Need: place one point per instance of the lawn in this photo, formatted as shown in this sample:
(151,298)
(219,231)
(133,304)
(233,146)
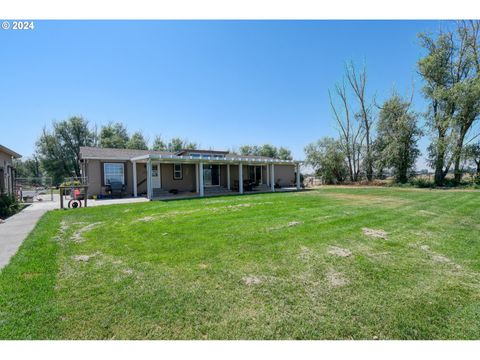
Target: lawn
(334,263)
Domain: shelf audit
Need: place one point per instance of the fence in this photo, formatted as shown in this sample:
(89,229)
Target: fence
(34,189)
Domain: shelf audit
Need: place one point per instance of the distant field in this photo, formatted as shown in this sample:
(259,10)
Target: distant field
(332,263)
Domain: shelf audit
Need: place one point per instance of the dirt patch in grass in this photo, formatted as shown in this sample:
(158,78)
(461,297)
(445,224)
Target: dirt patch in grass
(251,280)
(305,253)
(146,219)
(363,199)
(84,258)
(336,278)
(376,233)
(287,225)
(77,236)
(425,212)
(203,266)
(439,258)
(338,251)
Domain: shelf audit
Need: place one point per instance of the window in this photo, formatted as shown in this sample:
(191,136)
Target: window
(177,172)
(113,172)
(155,170)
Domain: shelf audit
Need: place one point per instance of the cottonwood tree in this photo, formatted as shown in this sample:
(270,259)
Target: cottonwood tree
(177,144)
(114,135)
(358,83)
(266,150)
(397,137)
(451,71)
(137,141)
(59,149)
(351,132)
(327,159)
(472,155)
(159,144)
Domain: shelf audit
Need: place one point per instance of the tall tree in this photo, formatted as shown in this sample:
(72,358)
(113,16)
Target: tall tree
(114,135)
(177,144)
(327,158)
(28,168)
(397,136)
(59,150)
(249,150)
(159,144)
(451,72)
(268,150)
(137,141)
(472,155)
(358,83)
(352,134)
(284,154)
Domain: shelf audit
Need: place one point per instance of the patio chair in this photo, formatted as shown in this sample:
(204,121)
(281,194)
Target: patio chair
(117,189)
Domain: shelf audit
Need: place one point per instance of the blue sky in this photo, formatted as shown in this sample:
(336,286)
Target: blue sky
(218,83)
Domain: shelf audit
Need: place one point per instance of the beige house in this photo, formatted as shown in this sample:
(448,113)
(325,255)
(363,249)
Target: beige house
(158,174)
(7,171)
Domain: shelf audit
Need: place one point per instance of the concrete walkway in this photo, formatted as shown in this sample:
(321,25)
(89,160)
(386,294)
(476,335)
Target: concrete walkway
(16,228)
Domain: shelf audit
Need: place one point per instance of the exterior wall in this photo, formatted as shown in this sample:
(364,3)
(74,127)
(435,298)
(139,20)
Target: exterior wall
(223,175)
(187,183)
(6,183)
(95,176)
(141,178)
(285,175)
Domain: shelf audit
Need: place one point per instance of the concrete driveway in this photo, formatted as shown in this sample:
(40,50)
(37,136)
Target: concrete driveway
(16,228)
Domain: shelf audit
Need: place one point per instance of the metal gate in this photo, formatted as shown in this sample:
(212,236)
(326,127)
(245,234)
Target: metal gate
(34,189)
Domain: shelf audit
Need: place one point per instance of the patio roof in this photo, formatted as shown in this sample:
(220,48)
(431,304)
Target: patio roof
(213,160)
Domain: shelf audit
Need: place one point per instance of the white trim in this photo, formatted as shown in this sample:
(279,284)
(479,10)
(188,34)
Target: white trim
(298,176)
(200,170)
(197,183)
(272,179)
(268,175)
(228,176)
(105,172)
(174,171)
(135,190)
(240,178)
(149,180)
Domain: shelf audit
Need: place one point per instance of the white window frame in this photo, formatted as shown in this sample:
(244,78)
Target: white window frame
(175,171)
(105,172)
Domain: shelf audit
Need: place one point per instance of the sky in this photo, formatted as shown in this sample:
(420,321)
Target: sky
(220,84)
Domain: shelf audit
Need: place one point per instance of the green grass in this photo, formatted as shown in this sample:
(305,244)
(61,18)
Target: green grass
(232,268)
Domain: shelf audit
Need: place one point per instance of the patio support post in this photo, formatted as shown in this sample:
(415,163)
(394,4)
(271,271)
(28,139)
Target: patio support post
(197,175)
(240,178)
(159,167)
(298,176)
(228,176)
(268,175)
(149,179)
(200,175)
(134,178)
(272,178)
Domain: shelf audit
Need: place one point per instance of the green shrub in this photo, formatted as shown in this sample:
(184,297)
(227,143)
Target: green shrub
(421,183)
(8,206)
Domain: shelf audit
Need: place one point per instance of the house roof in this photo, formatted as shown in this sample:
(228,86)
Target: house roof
(128,154)
(10,152)
(87,152)
(184,151)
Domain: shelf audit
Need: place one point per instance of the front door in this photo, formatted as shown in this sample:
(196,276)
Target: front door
(255,174)
(211,175)
(156,176)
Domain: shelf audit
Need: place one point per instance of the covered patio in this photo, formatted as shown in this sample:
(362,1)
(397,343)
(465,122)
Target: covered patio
(201,176)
